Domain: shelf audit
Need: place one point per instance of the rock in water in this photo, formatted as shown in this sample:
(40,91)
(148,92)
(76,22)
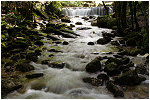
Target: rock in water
(78,23)
(130,78)
(24,67)
(36,75)
(65,43)
(93,81)
(116,90)
(93,66)
(90,43)
(112,69)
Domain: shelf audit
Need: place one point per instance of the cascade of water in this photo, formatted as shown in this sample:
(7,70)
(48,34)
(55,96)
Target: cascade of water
(85,11)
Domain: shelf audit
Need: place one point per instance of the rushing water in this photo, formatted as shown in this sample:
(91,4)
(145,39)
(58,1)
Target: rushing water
(67,83)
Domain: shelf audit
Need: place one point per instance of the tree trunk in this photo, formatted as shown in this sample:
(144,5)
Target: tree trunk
(135,18)
(106,9)
(131,13)
(123,14)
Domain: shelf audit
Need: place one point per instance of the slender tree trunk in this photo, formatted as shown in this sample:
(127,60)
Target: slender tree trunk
(135,18)
(123,14)
(131,13)
(106,9)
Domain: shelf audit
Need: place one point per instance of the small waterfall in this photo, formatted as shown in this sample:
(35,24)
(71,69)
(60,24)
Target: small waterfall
(85,11)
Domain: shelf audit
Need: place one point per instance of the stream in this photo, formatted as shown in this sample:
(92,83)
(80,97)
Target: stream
(67,83)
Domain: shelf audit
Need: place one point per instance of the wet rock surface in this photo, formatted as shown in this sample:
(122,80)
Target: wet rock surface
(36,75)
(93,66)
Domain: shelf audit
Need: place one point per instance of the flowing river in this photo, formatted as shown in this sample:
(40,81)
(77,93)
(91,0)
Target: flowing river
(67,83)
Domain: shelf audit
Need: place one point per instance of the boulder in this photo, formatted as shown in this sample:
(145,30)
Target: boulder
(93,66)
(44,62)
(65,43)
(54,50)
(103,41)
(32,56)
(24,67)
(107,35)
(36,75)
(140,69)
(66,19)
(129,78)
(57,65)
(71,25)
(104,77)
(125,60)
(78,23)
(114,89)
(115,60)
(93,81)
(90,43)
(85,18)
(39,43)
(115,43)
(112,69)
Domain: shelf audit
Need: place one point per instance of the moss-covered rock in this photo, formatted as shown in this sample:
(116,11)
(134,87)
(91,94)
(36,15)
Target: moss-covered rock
(65,19)
(130,78)
(24,67)
(35,75)
(93,81)
(93,66)
(78,23)
(114,89)
(112,69)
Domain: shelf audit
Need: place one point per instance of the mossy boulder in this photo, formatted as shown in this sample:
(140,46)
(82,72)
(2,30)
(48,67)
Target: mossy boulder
(114,89)
(130,78)
(93,66)
(115,43)
(24,67)
(66,19)
(35,75)
(112,69)
(140,69)
(39,43)
(93,81)
(32,56)
(115,60)
(103,41)
(78,23)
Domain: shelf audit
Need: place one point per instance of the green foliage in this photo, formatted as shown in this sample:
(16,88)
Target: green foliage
(145,43)
(71,3)
(54,7)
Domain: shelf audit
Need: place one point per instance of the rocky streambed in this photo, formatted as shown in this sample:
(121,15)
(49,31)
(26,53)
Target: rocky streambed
(86,62)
